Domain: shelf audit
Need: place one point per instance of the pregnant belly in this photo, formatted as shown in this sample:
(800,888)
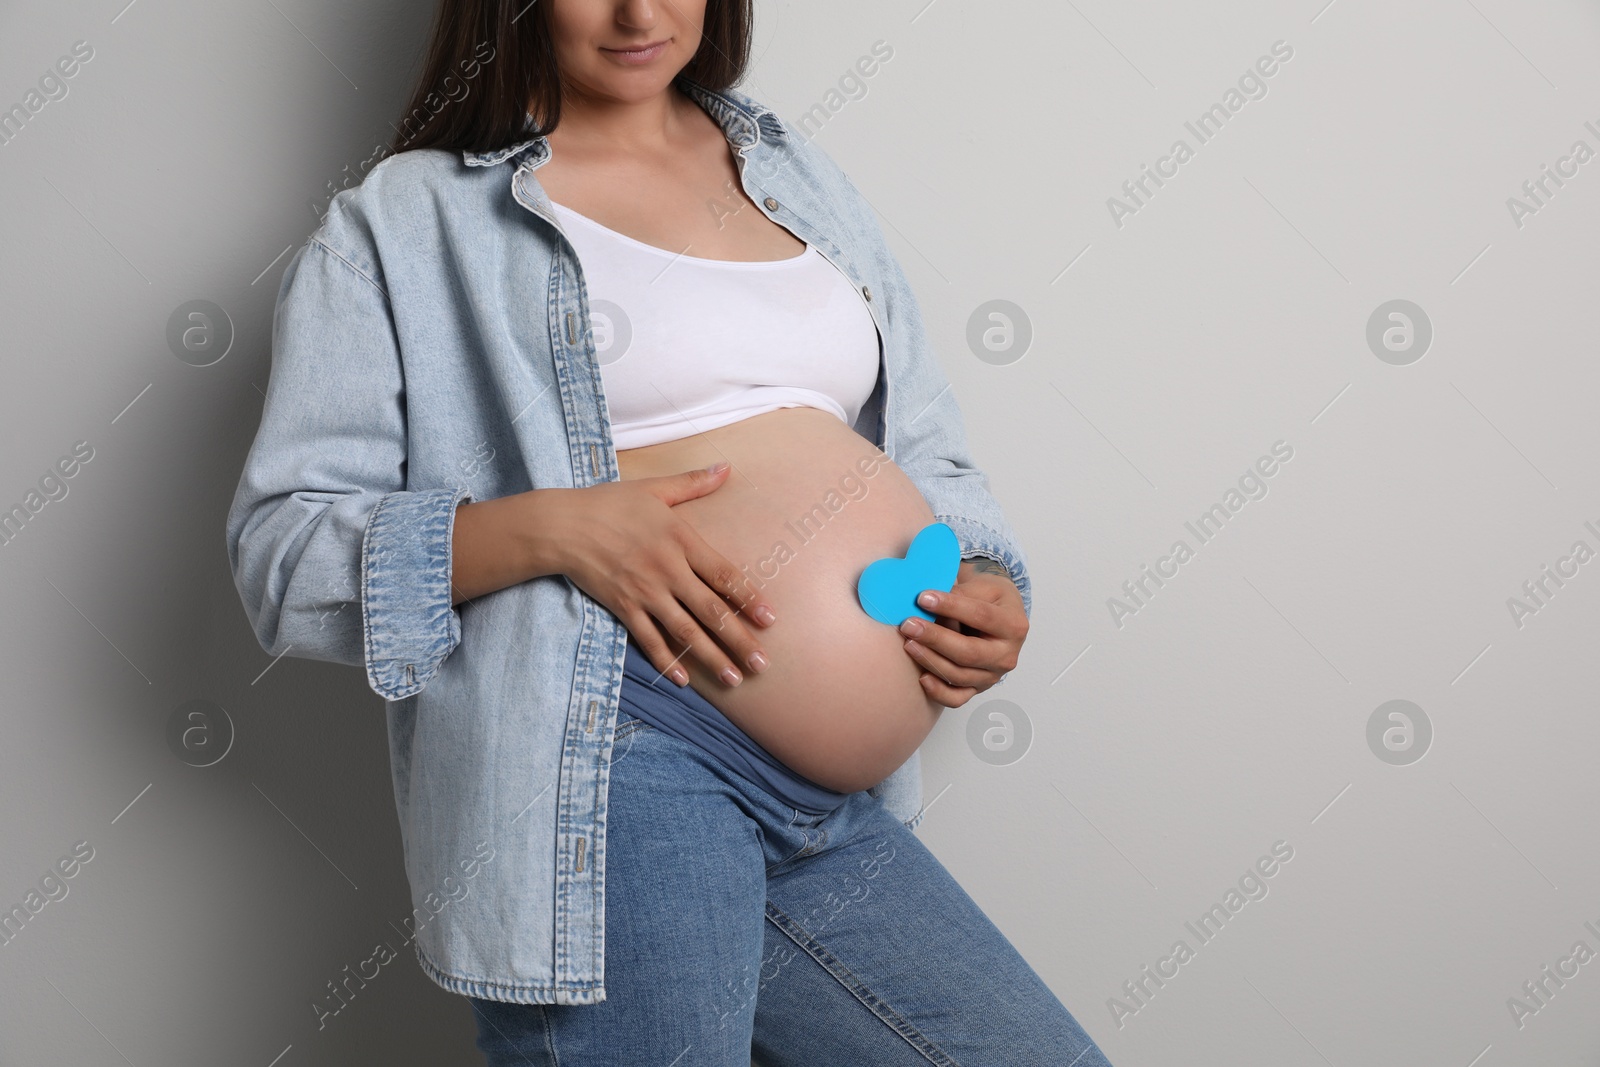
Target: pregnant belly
(808,504)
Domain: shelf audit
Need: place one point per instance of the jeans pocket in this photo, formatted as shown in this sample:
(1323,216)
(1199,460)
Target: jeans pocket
(629,730)
(811,837)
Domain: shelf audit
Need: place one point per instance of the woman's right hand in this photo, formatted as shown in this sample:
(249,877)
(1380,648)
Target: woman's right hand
(627,548)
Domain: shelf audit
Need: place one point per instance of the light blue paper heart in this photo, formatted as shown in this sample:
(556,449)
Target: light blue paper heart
(888,588)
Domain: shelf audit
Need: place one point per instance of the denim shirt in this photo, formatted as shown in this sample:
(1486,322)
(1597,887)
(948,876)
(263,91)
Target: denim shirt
(431,345)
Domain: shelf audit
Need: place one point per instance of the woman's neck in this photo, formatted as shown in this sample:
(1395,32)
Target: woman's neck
(591,123)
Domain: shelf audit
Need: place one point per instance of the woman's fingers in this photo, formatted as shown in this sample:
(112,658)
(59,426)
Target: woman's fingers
(643,632)
(952,674)
(717,571)
(949,696)
(999,619)
(720,599)
(956,648)
(945,682)
(692,613)
(685,629)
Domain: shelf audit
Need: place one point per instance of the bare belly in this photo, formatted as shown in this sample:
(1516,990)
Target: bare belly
(808,505)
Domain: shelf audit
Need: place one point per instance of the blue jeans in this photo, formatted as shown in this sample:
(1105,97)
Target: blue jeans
(739,928)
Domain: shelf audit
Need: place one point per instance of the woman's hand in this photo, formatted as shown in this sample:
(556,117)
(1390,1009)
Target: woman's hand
(979,629)
(621,543)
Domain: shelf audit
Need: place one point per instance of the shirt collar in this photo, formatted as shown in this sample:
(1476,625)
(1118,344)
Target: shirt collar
(744,121)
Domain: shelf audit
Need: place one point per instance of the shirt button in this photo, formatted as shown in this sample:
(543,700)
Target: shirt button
(866,291)
(772,205)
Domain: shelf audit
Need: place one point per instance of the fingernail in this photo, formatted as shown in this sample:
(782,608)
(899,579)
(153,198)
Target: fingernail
(679,675)
(928,599)
(911,627)
(717,468)
(729,675)
(758,662)
(765,616)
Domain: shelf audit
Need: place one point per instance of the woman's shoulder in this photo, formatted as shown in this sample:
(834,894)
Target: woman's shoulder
(404,180)
(786,142)
(403,194)
(806,169)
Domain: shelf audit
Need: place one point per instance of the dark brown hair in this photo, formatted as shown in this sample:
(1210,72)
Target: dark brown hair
(491,63)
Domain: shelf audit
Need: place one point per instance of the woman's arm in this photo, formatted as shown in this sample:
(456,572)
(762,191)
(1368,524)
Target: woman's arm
(982,622)
(503,542)
(927,433)
(332,557)
(930,439)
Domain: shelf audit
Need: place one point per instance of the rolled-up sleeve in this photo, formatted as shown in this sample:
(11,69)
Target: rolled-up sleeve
(333,557)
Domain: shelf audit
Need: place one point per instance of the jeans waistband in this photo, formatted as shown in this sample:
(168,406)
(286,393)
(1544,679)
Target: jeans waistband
(683,713)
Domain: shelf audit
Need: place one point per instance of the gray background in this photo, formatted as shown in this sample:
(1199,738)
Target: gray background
(1168,354)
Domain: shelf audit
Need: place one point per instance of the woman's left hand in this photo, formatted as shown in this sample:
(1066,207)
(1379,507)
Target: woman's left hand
(979,629)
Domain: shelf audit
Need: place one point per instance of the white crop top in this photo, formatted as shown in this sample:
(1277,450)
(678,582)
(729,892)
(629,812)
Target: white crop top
(688,344)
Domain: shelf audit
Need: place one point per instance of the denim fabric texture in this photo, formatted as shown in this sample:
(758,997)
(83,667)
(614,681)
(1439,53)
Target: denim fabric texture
(431,346)
(741,928)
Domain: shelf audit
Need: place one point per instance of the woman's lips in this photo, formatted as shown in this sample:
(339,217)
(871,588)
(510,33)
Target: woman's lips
(637,55)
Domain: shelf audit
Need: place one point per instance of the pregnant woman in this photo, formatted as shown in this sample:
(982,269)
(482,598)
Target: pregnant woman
(588,409)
